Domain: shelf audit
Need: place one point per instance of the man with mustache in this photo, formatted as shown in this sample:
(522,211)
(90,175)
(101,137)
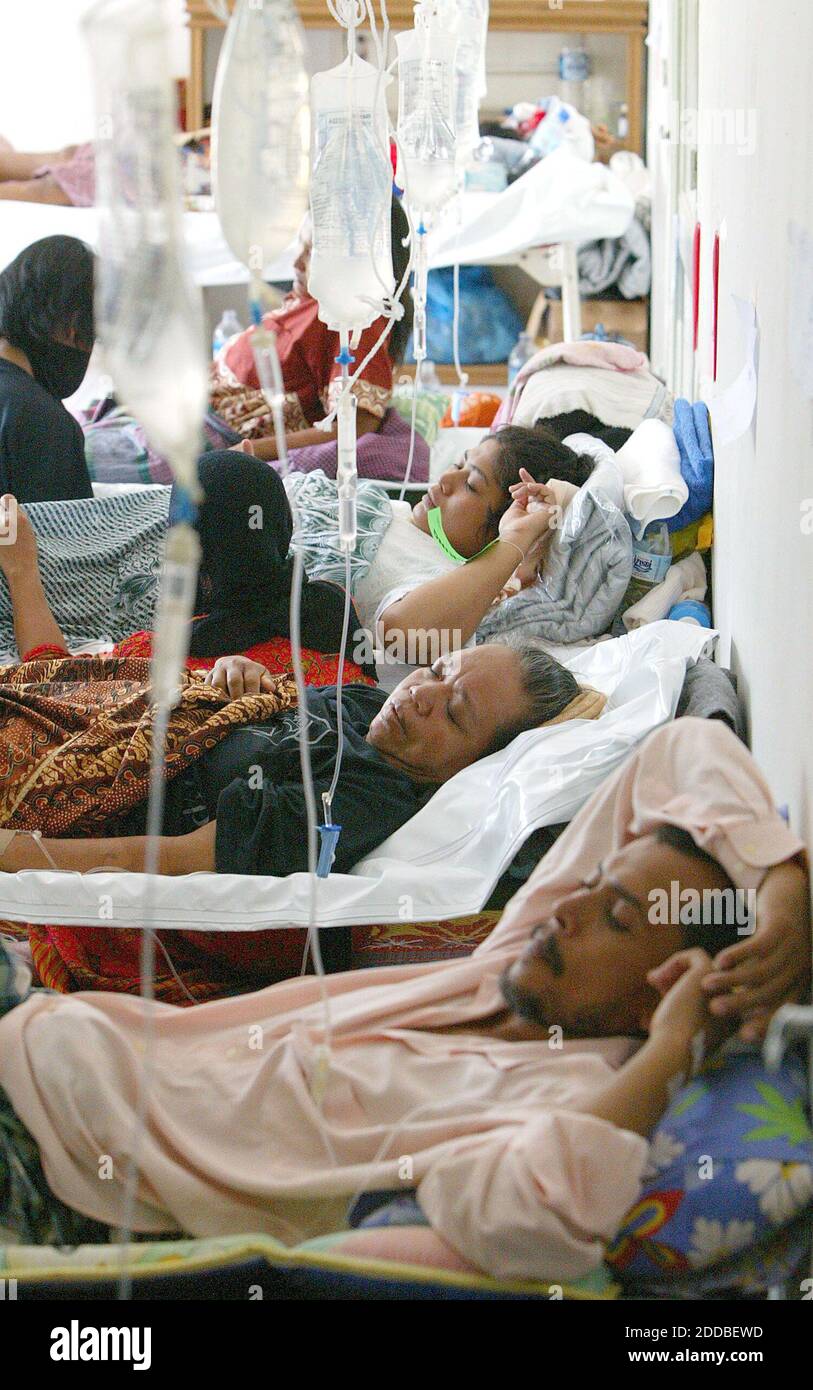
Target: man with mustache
(514,1090)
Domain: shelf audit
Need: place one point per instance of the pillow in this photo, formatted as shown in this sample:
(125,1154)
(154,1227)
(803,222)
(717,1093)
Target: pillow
(478,408)
(450,446)
(731,1164)
(431,408)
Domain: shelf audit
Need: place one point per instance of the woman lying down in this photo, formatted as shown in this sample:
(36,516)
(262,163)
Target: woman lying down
(75,737)
(514,1090)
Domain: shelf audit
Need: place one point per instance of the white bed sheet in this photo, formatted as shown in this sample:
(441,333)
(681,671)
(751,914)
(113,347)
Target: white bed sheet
(445,861)
(562,199)
(210,260)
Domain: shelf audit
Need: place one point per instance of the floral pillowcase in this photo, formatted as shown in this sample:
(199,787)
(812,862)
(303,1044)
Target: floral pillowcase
(731,1166)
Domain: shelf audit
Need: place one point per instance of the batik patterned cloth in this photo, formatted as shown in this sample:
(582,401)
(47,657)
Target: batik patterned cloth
(71,958)
(76,738)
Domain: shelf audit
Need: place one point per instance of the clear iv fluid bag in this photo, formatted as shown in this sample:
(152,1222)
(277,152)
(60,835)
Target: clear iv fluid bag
(426,116)
(149,315)
(351,196)
(471,74)
(261,132)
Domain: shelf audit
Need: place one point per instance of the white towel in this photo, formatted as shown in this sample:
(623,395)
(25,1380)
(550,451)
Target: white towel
(653,485)
(686,579)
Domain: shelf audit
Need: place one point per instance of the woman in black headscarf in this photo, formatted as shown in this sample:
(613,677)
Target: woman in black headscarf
(46,338)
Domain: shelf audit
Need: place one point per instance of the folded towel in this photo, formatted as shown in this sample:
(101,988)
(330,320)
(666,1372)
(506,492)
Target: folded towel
(612,357)
(710,692)
(693,437)
(653,486)
(685,580)
(588,704)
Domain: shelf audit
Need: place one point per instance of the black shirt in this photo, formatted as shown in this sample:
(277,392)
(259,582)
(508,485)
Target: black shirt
(42,447)
(251,784)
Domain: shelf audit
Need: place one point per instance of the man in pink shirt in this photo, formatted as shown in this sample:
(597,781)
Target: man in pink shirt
(515,1090)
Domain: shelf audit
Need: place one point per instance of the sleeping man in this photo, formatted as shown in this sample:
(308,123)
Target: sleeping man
(515,1089)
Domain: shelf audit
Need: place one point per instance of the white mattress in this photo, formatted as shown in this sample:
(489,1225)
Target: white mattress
(445,861)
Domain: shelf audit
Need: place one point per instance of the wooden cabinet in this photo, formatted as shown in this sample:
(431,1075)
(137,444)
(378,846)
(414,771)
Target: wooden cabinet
(625,17)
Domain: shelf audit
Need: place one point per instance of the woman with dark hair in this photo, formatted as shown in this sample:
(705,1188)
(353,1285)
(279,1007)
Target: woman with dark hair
(422,578)
(46,338)
(312,378)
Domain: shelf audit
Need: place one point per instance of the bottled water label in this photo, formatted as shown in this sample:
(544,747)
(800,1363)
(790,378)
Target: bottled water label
(574,65)
(651,568)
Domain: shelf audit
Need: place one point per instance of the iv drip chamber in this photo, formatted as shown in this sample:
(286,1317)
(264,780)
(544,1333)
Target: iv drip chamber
(426,117)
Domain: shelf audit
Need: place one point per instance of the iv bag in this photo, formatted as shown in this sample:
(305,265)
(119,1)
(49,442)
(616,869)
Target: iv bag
(471,74)
(426,116)
(149,315)
(351,196)
(261,132)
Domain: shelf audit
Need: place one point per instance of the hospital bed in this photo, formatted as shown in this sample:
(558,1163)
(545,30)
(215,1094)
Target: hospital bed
(447,859)
(536,223)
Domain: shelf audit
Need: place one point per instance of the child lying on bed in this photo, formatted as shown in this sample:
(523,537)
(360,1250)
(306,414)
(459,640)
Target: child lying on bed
(526,1148)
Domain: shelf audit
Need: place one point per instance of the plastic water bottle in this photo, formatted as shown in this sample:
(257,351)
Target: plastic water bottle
(228,326)
(550,133)
(522,352)
(652,556)
(690,610)
(574,69)
(429,379)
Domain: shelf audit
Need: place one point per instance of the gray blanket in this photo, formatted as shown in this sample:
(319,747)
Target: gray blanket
(586,574)
(100,559)
(623,263)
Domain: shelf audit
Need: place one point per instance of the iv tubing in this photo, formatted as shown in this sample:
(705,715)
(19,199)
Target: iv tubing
(155,817)
(265,355)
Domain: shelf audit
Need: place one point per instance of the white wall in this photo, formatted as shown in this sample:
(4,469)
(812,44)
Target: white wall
(45,89)
(763,572)
(754,69)
(522,66)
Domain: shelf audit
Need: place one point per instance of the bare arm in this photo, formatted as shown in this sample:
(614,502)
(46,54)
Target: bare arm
(266,449)
(34,623)
(639,1092)
(457,601)
(178,854)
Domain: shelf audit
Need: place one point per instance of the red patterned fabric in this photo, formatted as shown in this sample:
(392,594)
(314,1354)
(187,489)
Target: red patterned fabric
(307,351)
(210,964)
(215,964)
(320,669)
